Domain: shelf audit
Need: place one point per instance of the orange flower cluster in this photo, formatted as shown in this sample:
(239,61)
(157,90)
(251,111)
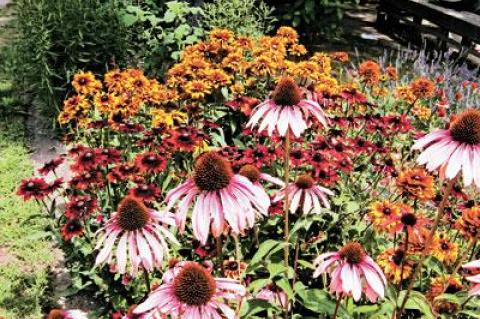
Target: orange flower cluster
(469,223)
(121,95)
(224,64)
(416,183)
(237,63)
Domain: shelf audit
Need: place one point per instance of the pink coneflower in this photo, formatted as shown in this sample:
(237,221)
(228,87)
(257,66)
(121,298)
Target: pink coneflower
(455,149)
(66,314)
(273,294)
(305,195)
(286,109)
(352,272)
(220,196)
(152,315)
(189,291)
(475,279)
(255,175)
(142,230)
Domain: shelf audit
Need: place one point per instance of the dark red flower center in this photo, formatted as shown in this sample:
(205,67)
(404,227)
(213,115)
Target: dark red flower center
(132,214)
(387,211)
(74,225)
(56,314)
(212,172)
(304,181)
(184,138)
(353,253)
(287,92)
(83,81)
(445,246)
(398,257)
(466,127)
(453,288)
(232,265)
(194,285)
(251,172)
(409,219)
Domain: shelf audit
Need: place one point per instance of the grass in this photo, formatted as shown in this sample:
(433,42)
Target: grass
(25,251)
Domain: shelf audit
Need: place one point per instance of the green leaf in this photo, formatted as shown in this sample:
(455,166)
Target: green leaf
(275,269)
(285,285)
(417,301)
(266,248)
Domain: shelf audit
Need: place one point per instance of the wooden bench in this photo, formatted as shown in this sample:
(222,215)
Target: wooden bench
(417,18)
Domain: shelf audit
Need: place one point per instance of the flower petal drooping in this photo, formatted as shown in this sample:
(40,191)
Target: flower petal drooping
(219,198)
(305,196)
(189,291)
(142,230)
(352,272)
(454,150)
(286,110)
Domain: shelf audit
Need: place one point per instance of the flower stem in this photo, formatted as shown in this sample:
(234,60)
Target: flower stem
(219,245)
(286,206)
(464,257)
(147,281)
(428,243)
(337,306)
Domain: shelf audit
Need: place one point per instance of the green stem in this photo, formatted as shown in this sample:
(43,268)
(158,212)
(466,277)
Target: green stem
(428,242)
(286,209)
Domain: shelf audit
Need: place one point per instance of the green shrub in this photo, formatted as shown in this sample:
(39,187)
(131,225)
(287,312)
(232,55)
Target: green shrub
(310,16)
(163,31)
(246,17)
(58,37)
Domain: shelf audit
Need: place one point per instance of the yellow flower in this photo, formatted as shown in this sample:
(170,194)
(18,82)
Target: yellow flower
(404,93)
(288,33)
(114,80)
(221,35)
(105,102)
(304,69)
(85,83)
(161,117)
(444,250)
(160,94)
(244,43)
(262,66)
(422,112)
(197,89)
(382,215)
(324,62)
(444,284)
(233,61)
(217,77)
(297,50)
(391,261)
(237,89)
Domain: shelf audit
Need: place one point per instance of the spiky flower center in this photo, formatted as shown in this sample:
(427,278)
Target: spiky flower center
(466,127)
(287,92)
(212,172)
(132,214)
(56,314)
(408,219)
(398,257)
(304,181)
(194,285)
(353,253)
(251,172)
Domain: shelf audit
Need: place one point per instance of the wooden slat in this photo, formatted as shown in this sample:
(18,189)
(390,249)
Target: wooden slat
(460,22)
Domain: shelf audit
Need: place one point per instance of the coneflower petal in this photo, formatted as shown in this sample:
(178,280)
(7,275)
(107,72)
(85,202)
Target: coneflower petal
(122,253)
